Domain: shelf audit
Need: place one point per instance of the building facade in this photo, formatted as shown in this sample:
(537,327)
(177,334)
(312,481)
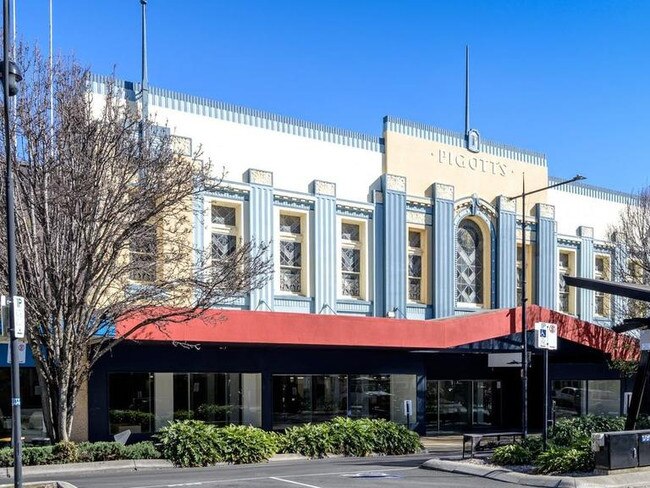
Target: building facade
(397,273)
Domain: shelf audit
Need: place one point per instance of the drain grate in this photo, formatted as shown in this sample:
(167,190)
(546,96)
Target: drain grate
(373,474)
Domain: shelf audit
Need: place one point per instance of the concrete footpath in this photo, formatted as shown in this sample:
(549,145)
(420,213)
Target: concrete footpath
(626,480)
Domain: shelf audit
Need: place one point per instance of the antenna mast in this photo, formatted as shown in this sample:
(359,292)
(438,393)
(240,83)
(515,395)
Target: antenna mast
(145,77)
(466,91)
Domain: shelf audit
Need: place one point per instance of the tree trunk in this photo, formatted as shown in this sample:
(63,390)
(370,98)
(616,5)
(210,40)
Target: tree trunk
(57,411)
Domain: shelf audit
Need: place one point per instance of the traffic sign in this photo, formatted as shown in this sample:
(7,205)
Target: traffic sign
(545,336)
(18,304)
(22,352)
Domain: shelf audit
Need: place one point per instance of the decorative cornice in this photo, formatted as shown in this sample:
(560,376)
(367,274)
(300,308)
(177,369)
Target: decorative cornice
(293,202)
(395,183)
(241,115)
(476,206)
(594,191)
(424,131)
(352,211)
(420,218)
(443,192)
(545,211)
(505,204)
(260,177)
(228,192)
(587,232)
(326,188)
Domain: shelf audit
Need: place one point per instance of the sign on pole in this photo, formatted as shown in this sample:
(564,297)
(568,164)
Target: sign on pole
(408,407)
(545,336)
(18,304)
(22,353)
(4,315)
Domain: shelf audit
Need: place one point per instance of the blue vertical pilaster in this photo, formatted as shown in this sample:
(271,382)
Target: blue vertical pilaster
(444,251)
(586,298)
(394,244)
(506,253)
(378,240)
(260,225)
(546,257)
(325,231)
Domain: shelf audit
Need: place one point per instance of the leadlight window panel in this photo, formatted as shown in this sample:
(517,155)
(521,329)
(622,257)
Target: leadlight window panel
(223,245)
(469,263)
(290,253)
(415,277)
(290,266)
(350,232)
(520,274)
(143,255)
(564,260)
(600,297)
(351,260)
(222,215)
(563,289)
(351,272)
(415,239)
(290,224)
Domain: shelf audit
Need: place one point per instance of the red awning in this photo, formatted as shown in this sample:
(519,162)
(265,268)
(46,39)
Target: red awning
(281,328)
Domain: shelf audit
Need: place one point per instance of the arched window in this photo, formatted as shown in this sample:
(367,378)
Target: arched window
(469,263)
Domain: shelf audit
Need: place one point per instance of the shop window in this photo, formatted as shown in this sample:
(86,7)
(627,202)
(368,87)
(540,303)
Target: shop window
(416,266)
(572,398)
(146,402)
(601,272)
(130,405)
(224,230)
(299,399)
(31,410)
(352,259)
(469,264)
(292,253)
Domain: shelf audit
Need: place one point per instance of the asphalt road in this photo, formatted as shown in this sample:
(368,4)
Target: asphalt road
(389,471)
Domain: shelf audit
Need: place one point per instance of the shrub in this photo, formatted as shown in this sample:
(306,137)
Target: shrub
(352,437)
(391,438)
(239,444)
(101,451)
(189,443)
(6,457)
(512,454)
(558,460)
(643,422)
(281,442)
(65,452)
(312,440)
(567,432)
(33,456)
(534,445)
(141,450)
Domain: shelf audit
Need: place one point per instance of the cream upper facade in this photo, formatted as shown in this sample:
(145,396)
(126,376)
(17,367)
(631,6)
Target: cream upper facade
(410,223)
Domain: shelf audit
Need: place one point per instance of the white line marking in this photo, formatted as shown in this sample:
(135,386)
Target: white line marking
(256,478)
(293,482)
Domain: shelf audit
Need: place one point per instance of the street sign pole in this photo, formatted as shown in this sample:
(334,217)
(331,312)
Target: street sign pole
(545,426)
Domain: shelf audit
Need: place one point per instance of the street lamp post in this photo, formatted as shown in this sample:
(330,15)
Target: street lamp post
(10,77)
(524,297)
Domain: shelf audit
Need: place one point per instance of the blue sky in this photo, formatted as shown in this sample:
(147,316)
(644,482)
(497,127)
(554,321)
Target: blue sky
(567,78)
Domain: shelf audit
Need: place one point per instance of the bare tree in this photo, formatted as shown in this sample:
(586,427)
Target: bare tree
(104,216)
(631,238)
